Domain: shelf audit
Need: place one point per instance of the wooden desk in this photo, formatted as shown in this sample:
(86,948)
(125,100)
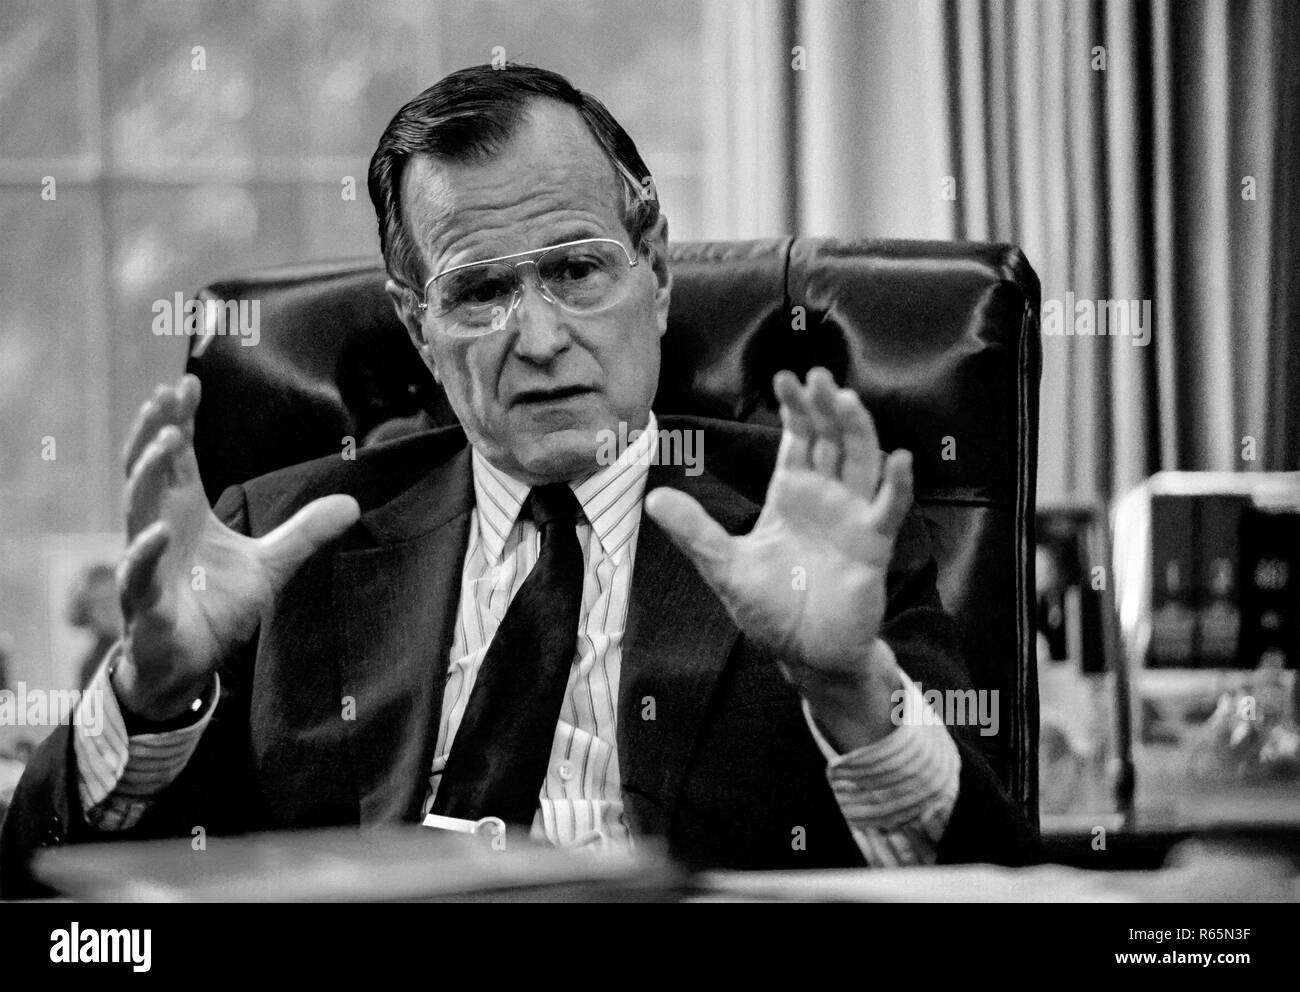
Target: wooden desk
(402,864)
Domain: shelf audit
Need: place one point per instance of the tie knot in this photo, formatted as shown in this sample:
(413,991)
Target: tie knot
(553,504)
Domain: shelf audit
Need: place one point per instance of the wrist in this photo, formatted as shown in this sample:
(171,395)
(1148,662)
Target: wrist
(853,710)
(152,706)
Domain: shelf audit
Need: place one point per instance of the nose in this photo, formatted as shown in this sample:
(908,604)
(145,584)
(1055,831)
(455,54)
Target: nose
(541,331)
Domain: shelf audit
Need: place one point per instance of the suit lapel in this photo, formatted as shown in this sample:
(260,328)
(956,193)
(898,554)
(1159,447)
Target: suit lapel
(676,646)
(395,609)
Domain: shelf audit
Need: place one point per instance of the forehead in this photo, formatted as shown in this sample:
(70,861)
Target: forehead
(551,181)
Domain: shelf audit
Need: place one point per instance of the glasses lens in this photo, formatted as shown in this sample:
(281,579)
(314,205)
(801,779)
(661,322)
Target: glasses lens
(584,277)
(470,297)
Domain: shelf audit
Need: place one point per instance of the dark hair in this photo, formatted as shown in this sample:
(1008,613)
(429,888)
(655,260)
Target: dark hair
(469,115)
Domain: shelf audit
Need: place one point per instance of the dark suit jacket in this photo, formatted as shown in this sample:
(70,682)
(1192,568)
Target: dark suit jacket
(726,770)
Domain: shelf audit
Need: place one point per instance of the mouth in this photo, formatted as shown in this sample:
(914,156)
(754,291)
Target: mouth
(556,395)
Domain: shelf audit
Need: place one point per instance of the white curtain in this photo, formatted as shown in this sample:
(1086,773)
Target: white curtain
(1135,149)
(747,114)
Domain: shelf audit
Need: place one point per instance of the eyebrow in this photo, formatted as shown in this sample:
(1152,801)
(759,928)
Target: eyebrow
(568,231)
(576,231)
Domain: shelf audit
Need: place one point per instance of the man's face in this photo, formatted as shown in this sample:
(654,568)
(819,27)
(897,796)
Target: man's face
(535,395)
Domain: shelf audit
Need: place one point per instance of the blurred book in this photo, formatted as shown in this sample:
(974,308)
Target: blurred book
(1071,579)
(1205,580)
(1206,569)
(1173,567)
(1270,603)
(1217,558)
(1195,561)
(1075,741)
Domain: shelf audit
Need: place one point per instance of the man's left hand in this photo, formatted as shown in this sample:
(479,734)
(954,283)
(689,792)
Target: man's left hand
(808,582)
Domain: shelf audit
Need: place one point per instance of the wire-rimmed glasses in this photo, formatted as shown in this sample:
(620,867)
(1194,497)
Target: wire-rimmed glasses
(583,277)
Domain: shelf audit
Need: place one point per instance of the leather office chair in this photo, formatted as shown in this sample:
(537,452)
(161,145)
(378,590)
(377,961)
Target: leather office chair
(940,339)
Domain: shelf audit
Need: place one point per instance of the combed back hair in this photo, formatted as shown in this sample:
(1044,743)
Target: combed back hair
(470,115)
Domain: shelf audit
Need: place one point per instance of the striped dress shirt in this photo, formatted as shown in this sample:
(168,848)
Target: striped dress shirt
(896,794)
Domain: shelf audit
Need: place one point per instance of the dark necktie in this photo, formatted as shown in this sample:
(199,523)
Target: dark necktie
(499,756)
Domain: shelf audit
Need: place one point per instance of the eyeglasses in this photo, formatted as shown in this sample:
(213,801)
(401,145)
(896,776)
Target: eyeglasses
(582,277)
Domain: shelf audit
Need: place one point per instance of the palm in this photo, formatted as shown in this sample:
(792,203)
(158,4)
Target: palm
(214,588)
(809,579)
(808,582)
(192,589)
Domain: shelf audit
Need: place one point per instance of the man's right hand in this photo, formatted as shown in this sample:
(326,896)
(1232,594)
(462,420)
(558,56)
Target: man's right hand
(181,623)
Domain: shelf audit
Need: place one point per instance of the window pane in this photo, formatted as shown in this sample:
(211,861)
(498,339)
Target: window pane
(169,240)
(337,228)
(358,66)
(43,83)
(49,315)
(207,84)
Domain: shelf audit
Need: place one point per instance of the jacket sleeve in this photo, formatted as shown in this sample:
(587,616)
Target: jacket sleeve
(214,791)
(985,825)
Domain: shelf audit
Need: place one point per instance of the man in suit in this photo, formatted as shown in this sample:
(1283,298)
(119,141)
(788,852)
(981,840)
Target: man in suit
(534,616)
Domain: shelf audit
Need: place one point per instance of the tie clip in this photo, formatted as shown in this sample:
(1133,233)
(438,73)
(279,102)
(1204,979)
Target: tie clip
(488,826)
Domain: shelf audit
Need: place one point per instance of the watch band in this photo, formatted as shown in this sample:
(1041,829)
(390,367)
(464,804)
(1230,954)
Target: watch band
(137,725)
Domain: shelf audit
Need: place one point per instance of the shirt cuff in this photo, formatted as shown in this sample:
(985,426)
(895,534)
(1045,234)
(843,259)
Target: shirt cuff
(118,776)
(897,793)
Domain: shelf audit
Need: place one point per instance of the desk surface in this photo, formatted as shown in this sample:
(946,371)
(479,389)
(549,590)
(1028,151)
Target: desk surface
(413,864)
(388,864)
(1202,875)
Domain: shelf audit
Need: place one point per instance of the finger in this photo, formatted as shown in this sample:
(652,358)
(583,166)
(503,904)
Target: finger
(302,535)
(189,391)
(859,444)
(150,479)
(895,496)
(699,536)
(796,437)
(169,405)
(154,413)
(137,573)
(820,391)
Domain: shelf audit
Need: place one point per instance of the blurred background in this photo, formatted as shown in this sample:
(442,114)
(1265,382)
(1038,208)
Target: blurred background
(1135,149)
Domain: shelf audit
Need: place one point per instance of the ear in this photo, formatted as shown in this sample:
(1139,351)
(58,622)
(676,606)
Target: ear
(656,249)
(406,304)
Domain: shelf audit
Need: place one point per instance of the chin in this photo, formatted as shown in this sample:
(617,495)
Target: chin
(560,455)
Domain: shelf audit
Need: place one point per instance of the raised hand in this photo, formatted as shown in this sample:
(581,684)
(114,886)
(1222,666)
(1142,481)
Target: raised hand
(808,582)
(193,590)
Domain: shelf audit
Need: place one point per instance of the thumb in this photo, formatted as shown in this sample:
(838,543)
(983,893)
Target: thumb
(698,535)
(894,497)
(298,538)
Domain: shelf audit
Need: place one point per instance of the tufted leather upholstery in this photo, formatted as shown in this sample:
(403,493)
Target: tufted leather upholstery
(940,339)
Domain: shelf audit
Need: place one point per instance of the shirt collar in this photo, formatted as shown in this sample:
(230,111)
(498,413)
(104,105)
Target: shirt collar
(610,496)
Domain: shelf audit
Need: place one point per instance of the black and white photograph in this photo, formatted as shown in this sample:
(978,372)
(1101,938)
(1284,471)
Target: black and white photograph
(831,456)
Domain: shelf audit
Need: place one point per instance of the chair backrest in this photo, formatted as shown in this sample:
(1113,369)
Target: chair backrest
(939,338)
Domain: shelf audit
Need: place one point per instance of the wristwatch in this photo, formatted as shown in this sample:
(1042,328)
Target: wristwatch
(136,724)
